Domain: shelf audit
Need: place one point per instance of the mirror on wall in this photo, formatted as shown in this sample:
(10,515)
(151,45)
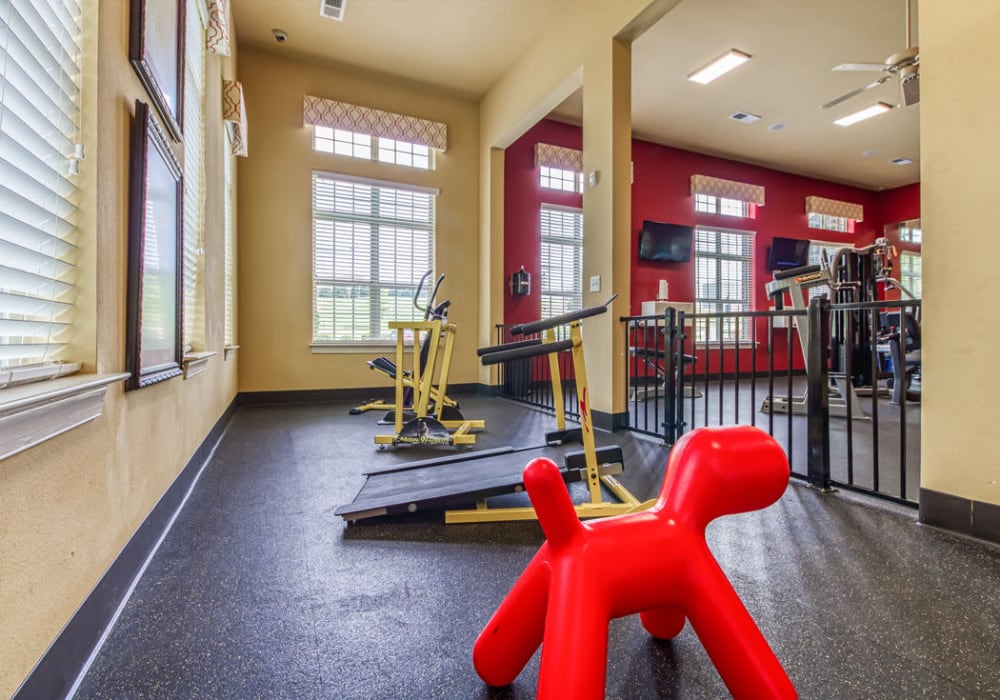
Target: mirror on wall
(904,231)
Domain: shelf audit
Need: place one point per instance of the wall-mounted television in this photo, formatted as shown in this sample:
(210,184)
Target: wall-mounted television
(661,242)
(787,253)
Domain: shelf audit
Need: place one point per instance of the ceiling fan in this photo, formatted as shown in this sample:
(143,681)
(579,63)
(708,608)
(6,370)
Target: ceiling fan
(904,65)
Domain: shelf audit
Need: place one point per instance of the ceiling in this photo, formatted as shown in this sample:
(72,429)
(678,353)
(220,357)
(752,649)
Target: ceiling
(464,46)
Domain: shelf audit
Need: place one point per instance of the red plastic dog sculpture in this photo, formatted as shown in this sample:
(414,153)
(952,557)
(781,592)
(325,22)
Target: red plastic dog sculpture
(655,563)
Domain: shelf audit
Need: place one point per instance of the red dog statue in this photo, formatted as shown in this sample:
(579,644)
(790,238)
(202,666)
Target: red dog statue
(655,563)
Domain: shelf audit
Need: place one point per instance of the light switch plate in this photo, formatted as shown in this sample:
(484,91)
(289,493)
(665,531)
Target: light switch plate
(595,283)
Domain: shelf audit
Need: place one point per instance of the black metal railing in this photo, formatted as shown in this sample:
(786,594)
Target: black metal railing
(692,370)
(529,380)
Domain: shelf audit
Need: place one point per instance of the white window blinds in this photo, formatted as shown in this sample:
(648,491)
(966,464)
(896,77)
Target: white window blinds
(194,179)
(372,242)
(562,260)
(39,133)
(723,282)
(229,213)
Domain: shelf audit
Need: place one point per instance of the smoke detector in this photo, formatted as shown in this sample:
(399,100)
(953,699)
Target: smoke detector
(744,117)
(333,9)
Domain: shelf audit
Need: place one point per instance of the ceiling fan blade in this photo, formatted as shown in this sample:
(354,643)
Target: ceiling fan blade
(860,66)
(853,93)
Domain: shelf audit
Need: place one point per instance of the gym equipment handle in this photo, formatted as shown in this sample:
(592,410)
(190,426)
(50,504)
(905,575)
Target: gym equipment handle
(498,356)
(562,319)
(508,346)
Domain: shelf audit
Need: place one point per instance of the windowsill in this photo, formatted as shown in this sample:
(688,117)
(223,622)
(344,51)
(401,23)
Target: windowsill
(196,363)
(229,351)
(355,348)
(32,413)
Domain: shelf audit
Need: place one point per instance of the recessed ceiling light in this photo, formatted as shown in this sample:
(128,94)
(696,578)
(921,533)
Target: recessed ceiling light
(866,113)
(901,161)
(870,152)
(776,127)
(720,66)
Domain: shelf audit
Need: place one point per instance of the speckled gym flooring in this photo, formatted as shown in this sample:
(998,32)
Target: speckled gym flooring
(260,591)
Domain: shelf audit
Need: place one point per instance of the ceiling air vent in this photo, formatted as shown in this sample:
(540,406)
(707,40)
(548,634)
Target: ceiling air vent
(334,9)
(744,117)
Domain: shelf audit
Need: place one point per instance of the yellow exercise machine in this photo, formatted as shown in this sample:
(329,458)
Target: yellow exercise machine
(426,427)
(430,311)
(456,481)
(591,463)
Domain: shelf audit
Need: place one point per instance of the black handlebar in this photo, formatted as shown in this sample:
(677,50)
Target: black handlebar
(430,311)
(514,351)
(560,320)
(508,346)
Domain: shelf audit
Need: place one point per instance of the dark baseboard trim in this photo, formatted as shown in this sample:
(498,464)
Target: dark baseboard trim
(962,515)
(57,671)
(386,393)
(609,421)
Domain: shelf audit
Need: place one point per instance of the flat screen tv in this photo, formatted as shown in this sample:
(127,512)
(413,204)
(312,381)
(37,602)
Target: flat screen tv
(662,242)
(787,253)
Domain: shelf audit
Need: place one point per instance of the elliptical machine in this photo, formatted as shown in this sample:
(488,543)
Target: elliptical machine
(448,406)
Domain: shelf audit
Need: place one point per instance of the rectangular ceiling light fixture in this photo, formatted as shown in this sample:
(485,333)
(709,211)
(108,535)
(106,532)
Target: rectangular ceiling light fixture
(720,66)
(866,113)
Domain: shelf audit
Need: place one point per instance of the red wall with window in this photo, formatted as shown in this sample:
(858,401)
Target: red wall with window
(661,191)
(523,199)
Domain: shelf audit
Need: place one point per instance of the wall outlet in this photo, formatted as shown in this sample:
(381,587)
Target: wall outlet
(595,283)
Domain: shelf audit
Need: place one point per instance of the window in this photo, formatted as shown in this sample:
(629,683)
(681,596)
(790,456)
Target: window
(40,140)
(562,260)
(723,282)
(372,242)
(194,179)
(559,179)
(229,226)
(349,143)
(816,250)
(831,223)
(909,273)
(910,232)
(709,204)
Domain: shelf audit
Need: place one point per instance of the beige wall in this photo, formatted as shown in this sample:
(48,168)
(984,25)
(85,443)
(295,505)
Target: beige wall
(275,211)
(958,136)
(69,505)
(576,51)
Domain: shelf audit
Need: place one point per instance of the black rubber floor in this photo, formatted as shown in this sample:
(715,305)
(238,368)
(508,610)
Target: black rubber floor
(260,591)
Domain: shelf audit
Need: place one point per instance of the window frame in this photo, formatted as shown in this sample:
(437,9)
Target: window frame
(907,277)
(560,179)
(829,222)
(724,206)
(356,144)
(744,334)
(385,337)
(574,299)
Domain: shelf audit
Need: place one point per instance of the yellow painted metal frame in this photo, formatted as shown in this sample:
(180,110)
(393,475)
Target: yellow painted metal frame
(423,383)
(596,507)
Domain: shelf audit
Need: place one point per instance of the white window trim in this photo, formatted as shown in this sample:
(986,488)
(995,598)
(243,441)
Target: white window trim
(355,346)
(752,235)
(33,413)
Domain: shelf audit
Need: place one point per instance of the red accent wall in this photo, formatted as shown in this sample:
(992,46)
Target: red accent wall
(661,191)
(523,197)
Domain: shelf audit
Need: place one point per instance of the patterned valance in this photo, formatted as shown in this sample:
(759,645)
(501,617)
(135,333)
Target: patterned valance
(317,111)
(558,157)
(217,37)
(834,207)
(730,189)
(234,113)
